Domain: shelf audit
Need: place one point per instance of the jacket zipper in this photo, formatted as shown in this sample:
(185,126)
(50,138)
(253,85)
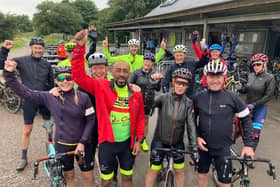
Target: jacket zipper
(210,113)
(174,121)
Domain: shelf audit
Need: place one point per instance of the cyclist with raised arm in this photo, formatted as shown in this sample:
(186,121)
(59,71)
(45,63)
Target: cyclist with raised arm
(174,116)
(134,60)
(144,78)
(36,74)
(120,114)
(259,90)
(74,130)
(215,109)
(180,54)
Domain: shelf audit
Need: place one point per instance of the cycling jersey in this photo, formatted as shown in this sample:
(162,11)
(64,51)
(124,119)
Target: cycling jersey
(216,111)
(175,114)
(106,96)
(72,128)
(135,61)
(119,116)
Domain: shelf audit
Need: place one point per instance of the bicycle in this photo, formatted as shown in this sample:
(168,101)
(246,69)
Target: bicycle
(167,172)
(233,81)
(242,174)
(52,162)
(9,99)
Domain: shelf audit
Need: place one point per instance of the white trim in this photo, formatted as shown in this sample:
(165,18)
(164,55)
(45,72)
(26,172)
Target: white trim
(89,111)
(243,113)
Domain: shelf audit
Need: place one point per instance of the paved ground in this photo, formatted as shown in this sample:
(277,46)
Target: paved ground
(11,127)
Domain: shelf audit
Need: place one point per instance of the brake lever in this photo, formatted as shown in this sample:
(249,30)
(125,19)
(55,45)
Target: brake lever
(81,159)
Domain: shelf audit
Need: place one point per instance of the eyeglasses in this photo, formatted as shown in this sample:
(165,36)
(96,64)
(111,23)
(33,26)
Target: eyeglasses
(180,83)
(257,64)
(61,78)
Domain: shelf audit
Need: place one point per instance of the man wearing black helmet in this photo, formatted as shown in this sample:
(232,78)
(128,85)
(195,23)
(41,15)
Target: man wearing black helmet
(36,74)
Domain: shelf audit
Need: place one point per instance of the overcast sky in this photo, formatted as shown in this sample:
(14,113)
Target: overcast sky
(28,6)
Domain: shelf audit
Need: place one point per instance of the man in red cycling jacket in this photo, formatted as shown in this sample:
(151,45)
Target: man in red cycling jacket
(120,114)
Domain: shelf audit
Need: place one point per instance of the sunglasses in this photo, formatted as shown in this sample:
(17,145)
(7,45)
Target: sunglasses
(257,64)
(215,74)
(61,78)
(180,83)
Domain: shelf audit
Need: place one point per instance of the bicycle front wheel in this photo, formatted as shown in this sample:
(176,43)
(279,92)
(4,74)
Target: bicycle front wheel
(170,180)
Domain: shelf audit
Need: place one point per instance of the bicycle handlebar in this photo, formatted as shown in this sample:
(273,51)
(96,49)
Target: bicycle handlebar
(58,156)
(244,161)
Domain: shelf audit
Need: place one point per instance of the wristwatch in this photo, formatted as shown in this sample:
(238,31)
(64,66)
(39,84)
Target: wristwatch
(139,140)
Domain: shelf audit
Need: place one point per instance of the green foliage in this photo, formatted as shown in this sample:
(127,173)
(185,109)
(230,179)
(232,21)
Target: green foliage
(7,26)
(56,18)
(87,9)
(24,23)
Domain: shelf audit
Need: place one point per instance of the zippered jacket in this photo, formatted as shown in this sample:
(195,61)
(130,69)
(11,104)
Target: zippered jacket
(174,116)
(216,111)
(105,96)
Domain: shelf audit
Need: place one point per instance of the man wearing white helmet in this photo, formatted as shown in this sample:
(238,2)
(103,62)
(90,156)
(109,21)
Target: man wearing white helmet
(134,60)
(215,108)
(181,62)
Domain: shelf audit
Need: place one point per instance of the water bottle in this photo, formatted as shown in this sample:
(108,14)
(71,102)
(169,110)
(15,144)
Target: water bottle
(164,163)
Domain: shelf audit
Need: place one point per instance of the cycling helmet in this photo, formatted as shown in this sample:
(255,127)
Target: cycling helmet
(61,69)
(61,42)
(180,48)
(37,41)
(215,67)
(149,56)
(70,46)
(97,58)
(183,73)
(133,42)
(259,57)
(215,47)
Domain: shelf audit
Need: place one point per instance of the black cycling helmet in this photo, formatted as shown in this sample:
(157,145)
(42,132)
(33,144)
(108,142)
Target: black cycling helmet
(149,56)
(97,58)
(37,41)
(182,73)
(61,69)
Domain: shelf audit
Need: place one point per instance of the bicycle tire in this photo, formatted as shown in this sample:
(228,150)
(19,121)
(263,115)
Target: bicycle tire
(12,102)
(170,180)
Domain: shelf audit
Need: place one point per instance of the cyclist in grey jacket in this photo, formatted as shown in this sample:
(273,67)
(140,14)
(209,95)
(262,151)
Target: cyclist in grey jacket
(175,114)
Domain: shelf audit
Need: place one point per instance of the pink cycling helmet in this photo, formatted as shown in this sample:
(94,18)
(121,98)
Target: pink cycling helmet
(259,57)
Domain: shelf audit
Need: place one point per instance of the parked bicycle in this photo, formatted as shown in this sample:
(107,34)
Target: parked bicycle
(234,80)
(242,173)
(52,163)
(167,173)
(11,101)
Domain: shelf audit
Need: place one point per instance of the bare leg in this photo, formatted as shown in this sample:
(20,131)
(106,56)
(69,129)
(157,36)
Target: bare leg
(69,177)
(150,177)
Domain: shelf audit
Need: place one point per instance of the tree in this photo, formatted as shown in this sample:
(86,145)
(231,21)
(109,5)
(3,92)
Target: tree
(87,9)
(7,26)
(24,23)
(56,18)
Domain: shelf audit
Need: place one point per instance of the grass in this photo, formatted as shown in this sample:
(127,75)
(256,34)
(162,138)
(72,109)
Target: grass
(53,39)
(21,40)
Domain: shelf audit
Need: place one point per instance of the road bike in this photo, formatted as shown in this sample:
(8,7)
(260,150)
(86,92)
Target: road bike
(167,173)
(53,161)
(9,99)
(242,173)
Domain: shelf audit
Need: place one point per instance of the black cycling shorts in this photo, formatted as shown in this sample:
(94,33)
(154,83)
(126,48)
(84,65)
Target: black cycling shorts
(110,154)
(217,158)
(68,161)
(30,109)
(157,156)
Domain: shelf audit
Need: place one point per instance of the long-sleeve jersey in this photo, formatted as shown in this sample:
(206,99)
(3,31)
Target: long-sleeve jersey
(74,123)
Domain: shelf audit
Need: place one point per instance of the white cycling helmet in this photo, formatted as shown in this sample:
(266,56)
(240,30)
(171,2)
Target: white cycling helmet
(180,48)
(133,42)
(215,67)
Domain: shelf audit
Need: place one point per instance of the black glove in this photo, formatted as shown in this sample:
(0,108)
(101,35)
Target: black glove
(194,38)
(152,111)
(195,155)
(164,89)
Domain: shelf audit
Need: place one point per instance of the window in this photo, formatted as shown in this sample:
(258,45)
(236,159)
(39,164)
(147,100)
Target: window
(167,3)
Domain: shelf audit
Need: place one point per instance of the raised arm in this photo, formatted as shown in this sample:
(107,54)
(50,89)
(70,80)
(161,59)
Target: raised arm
(161,51)
(77,64)
(40,97)
(7,45)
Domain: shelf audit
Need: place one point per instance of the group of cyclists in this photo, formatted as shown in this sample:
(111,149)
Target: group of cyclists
(112,112)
